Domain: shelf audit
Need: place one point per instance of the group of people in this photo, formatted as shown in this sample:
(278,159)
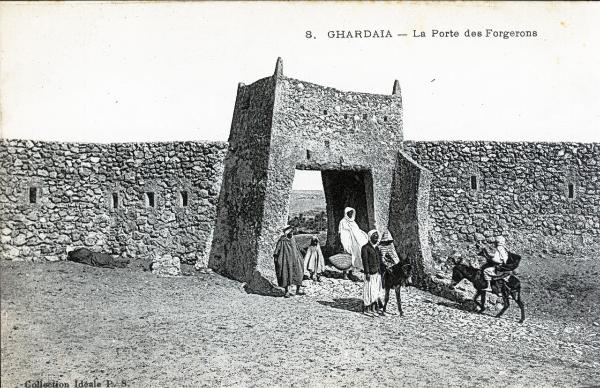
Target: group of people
(369,253)
(291,266)
(372,254)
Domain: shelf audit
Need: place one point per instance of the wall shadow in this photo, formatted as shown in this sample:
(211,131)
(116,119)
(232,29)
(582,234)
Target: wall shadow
(348,304)
(260,285)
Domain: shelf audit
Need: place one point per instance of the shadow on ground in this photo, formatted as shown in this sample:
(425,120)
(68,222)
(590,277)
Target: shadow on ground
(260,285)
(336,274)
(468,305)
(348,304)
(272,292)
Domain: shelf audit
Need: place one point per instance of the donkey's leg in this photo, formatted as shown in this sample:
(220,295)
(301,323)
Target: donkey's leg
(398,300)
(517,297)
(477,294)
(482,302)
(386,299)
(505,302)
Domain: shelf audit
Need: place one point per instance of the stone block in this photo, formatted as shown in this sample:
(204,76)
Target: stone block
(166,265)
(19,240)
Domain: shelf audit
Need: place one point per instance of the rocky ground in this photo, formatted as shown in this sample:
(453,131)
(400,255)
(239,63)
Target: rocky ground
(65,321)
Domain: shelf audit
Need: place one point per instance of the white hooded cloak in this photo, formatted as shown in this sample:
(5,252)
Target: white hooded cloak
(352,237)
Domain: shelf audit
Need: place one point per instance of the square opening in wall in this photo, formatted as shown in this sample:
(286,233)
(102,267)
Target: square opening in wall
(149,199)
(307,209)
(318,202)
(33,195)
(183,198)
(115,200)
(571,191)
(474,183)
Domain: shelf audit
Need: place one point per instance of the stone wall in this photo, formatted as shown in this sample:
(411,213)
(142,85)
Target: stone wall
(149,199)
(520,190)
(95,195)
(351,137)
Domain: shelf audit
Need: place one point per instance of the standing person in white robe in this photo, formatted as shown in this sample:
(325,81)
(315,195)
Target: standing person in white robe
(352,238)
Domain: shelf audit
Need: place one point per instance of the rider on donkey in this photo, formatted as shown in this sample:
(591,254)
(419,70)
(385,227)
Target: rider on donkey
(499,257)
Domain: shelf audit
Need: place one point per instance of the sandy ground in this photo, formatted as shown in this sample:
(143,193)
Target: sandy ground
(63,322)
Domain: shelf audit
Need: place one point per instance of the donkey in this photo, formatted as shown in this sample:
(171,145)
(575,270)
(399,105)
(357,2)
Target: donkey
(395,277)
(507,286)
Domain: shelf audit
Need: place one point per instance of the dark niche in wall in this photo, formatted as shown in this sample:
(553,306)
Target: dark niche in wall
(149,199)
(571,190)
(115,200)
(571,178)
(33,195)
(183,198)
(474,183)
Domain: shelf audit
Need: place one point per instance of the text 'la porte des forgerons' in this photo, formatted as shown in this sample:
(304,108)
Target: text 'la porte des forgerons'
(433,33)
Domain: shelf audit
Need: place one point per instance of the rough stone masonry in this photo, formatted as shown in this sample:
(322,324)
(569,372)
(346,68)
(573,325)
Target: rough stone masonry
(222,205)
(134,199)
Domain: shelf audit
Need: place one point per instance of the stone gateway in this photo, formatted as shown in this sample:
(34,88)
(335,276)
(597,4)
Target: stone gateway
(223,205)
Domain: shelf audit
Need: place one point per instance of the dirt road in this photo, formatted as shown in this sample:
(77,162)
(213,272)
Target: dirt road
(64,321)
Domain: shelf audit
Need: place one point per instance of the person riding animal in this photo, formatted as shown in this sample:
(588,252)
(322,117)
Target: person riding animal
(500,268)
(496,261)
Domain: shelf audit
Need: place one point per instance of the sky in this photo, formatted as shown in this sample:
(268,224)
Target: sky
(106,72)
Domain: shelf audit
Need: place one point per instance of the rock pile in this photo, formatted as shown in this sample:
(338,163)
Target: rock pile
(166,265)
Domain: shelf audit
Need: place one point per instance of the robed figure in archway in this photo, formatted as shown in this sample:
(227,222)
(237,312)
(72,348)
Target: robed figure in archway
(352,238)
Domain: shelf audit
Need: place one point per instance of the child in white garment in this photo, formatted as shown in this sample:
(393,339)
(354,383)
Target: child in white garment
(314,263)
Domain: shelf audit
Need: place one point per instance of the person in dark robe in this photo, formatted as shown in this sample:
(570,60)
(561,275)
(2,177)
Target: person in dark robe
(289,265)
(371,265)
